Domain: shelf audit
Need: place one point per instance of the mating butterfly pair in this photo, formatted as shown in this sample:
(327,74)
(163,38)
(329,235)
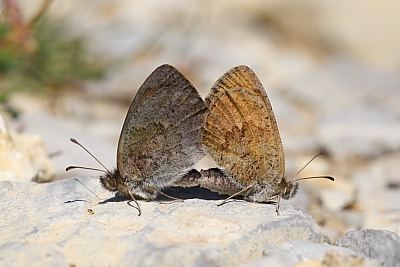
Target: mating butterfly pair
(168,124)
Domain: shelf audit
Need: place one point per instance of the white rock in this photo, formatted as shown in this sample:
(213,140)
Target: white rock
(305,253)
(24,158)
(377,244)
(36,255)
(193,233)
(3,125)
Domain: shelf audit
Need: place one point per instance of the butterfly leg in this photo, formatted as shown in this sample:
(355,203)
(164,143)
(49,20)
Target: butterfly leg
(152,192)
(135,201)
(278,204)
(174,199)
(235,194)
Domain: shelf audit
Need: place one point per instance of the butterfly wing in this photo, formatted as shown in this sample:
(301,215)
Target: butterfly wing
(161,135)
(240,130)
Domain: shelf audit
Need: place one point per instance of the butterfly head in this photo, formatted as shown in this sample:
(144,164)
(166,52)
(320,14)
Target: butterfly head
(289,189)
(290,186)
(113,181)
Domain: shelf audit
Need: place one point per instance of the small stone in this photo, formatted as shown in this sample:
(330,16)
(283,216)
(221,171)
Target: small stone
(376,244)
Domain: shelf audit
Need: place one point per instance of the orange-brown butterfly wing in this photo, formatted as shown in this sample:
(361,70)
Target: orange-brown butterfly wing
(240,132)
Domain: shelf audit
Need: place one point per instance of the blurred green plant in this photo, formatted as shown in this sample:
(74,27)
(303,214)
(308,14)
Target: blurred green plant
(37,55)
(48,61)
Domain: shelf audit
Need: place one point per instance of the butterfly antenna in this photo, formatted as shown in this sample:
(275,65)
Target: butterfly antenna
(305,165)
(73,140)
(85,168)
(315,177)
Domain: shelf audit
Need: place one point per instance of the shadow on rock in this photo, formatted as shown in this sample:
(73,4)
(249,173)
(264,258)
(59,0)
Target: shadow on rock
(177,192)
(192,193)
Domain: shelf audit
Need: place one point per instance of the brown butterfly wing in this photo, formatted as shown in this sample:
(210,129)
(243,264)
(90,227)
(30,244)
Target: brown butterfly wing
(240,132)
(161,135)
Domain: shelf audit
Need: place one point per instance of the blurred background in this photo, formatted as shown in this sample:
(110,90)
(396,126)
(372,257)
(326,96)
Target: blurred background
(331,70)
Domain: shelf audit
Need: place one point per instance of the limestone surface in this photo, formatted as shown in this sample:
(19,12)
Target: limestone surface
(62,223)
(306,253)
(23,157)
(378,244)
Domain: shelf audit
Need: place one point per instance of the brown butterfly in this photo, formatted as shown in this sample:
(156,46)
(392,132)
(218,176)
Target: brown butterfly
(241,135)
(160,139)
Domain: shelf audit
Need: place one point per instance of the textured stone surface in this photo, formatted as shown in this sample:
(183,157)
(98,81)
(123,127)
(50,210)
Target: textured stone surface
(305,253)
(190,233)
(62,223)
(30,254)
(23,157)
(377,244)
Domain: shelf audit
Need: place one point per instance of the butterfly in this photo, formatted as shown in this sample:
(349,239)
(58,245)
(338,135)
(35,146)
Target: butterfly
(242,136)
(160,139)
